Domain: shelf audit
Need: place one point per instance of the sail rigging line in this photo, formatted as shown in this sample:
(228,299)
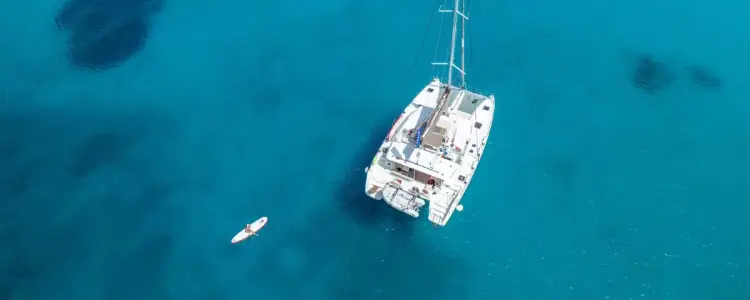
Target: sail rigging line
(463,44)
(424,36)
(440,35)
(420,131)
(471,63)
(469,35)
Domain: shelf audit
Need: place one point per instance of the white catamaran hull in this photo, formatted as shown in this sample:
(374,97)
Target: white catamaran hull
(432,151)
(393,175)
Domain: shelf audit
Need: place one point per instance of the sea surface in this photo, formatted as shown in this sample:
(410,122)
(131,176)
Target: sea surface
(138,136)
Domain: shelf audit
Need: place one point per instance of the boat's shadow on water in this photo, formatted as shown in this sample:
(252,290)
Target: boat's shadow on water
(360,249)
(361,209)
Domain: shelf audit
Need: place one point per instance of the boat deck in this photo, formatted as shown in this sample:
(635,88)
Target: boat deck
(460,135)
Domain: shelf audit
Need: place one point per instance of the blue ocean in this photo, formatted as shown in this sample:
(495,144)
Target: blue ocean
(138,136)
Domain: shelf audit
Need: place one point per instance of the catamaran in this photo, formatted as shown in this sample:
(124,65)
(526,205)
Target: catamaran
(433,148)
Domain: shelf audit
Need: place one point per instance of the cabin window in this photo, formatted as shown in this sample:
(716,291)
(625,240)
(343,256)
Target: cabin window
(430,90)
(461,177)
(421,177)
(427,179)
(474,101)
(400,170)
(477,125)
(486,108)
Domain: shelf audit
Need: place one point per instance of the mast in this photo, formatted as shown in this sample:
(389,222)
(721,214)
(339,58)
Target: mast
(457,11)
(458,6)
(451,61)
(463,43)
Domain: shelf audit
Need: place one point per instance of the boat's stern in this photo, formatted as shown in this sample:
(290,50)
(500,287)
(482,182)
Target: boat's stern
(375,182)
(373,189)
(408,203)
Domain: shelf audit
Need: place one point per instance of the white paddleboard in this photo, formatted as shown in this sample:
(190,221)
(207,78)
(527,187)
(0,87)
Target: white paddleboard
(254,227)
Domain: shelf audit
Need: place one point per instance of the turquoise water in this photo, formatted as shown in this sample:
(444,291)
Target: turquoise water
(129,182)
